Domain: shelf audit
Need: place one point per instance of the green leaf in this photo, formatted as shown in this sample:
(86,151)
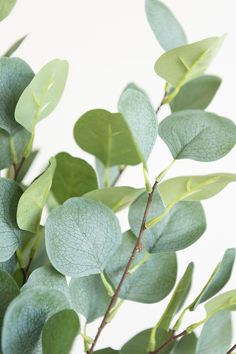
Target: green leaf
(216,334)
(177,299)
(185,63)
(42,95)
(116,198)
(106,136)
(139,343)
(10,233)
(8,291)
(194,188)
(33,200)
(25,318)
(14,47)
(12,147)
(113,173)
(59,332)
(198,135)
(218,279)
(161,270)
(141,119)
(27,165)
(6,7)
(9,266)
(183,226)
(15,75)
(165,26)
(196,94)
(81,236)
(89,297)
(73,177)
(47,277)
(106,351)
(220,302)
(186,345)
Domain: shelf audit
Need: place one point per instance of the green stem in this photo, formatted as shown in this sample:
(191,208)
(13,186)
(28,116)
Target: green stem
(146,179)
(106,177)
(179,320)
(165,171)
(107,285)
(140,263)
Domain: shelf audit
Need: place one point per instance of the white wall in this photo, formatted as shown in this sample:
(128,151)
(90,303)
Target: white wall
(108,43)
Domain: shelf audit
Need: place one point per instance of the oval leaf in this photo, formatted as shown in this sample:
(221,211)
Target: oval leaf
(116,198)
(14,47)
(186,345)
(161,270)
(185,63)
(220,302)
(196,94)
(25,318)
(11,235)
(42,95)
(166,28)
(73,177)
(33,200)
(89,297)
(198,135)
(81,236)
(59,332)
(183,226)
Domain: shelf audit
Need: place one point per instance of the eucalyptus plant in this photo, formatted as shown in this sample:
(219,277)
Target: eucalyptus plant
(79,264)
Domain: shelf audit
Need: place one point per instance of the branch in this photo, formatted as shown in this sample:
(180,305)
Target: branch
(231,349)
(170,340)
(138,247)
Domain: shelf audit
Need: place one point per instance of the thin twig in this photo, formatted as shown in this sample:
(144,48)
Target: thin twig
(169,341)
(138,247)
(231,349)
(162,102)
(121,170)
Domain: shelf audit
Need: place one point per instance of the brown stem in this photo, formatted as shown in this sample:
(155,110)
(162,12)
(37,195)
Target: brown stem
(161,104)
(121,170)
(17,168)
(170,340)
(231,349)
(136,250)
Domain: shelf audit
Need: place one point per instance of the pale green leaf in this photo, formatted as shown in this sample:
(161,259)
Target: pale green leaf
(165,26)
(116,198)
(140,117)
(196,94)
(161,270)
(218,279)
(14,47)
(198,135)
(6,7)
(194,188)
(220,302)
(187,62)
(81,236)
(25,318)
(15,75)
(33,200)
(59,332)
(181,227)
(10,234)
(42,95)
(113,173)
(106,136)
(186,345)
(89,297)
(9,266)
(216,334)
(73,177)
(8,291)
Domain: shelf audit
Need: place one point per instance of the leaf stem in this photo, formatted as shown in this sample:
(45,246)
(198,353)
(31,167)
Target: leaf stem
(121,170)
(172,338)
(138,247)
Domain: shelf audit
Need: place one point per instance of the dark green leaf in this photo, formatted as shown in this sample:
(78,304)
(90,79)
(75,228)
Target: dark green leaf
(166,28)
(196,94)
(59,332)
(14,47)
(186,345)
(81,236)
(73,177)
(106,351)
(198,135)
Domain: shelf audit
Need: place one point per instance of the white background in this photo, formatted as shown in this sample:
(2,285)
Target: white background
(108,43)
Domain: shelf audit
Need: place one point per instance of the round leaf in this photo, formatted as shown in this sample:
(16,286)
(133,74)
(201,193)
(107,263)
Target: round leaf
(73,177)
(42,95)
(183,226)
(166,28)
(198,135)
(161,270)
(89,297)
(81,236)
(11,235)
(59,332)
